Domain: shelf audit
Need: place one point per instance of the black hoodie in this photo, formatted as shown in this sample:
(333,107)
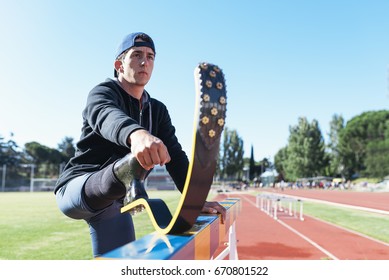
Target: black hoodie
(109,117)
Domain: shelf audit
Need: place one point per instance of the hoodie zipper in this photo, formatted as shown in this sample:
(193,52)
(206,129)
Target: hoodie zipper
(140,117)
(141,108)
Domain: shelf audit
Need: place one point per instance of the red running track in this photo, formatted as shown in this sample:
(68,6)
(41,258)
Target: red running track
(260,237)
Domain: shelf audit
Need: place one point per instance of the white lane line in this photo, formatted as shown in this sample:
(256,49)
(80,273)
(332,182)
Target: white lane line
(314,244)
(317,246)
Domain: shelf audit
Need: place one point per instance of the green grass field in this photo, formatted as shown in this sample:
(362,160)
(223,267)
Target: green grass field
(32,227)
(370,224)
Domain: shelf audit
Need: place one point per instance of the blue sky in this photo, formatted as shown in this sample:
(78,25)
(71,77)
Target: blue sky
(281,59)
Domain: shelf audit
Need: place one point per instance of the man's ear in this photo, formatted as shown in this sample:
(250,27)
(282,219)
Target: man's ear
(118,66)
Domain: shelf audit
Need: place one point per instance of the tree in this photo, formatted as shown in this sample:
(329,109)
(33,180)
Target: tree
(368,128)
(306,150)
(377,159)
(42,154)
(252,165)
(280,160)
(67,149)
(47,159)
(9,153)
(336,126)
(232,154)
(377,156)
(11,157)
(264,164)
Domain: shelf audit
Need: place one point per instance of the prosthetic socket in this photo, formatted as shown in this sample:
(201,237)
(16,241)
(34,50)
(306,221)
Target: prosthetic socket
(132,175)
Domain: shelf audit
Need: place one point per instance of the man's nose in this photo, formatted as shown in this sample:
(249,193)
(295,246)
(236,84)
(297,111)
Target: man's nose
(143,61)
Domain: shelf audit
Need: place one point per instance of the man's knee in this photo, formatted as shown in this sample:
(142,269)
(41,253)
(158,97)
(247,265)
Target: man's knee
(70,199)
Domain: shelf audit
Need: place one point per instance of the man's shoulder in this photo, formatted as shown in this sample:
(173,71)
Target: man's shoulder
(108,87)
(108,83)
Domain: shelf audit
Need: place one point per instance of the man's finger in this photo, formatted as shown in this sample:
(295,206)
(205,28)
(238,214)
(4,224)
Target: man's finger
(145,161)
(164,156)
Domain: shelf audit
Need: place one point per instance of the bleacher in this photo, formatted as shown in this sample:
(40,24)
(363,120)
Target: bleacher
(159,179)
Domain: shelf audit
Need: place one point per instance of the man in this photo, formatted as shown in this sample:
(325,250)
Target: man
(124,131)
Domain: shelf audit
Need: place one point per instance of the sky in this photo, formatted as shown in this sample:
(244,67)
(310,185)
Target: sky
(282,60)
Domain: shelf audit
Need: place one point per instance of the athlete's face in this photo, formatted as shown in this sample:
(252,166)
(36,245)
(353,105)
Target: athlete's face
(137,65)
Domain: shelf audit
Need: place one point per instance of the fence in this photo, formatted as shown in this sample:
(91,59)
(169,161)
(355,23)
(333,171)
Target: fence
(23,177)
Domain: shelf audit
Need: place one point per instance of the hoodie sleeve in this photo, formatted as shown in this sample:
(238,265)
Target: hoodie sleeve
(107,114)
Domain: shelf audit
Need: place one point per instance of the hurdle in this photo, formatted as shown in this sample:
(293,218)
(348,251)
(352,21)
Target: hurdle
(271,204)
(199,243)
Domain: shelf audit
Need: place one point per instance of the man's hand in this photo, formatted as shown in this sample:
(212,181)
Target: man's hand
(148,149)
(213,207)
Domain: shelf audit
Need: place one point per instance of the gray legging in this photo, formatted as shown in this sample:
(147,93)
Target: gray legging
(108,227)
